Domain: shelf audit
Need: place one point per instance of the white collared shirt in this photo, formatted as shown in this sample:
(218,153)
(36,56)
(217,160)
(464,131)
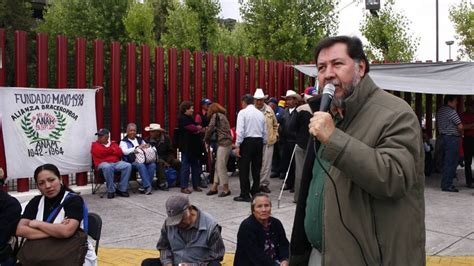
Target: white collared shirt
(250,124)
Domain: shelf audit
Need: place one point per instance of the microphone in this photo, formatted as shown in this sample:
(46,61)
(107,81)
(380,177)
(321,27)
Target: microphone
(328,93)
(326,99)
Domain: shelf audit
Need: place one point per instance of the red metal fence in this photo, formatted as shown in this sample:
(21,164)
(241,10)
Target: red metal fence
(220,78)
(170,78)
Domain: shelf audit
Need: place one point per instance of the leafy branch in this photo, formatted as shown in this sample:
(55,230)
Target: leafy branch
(60,126)
(27,127)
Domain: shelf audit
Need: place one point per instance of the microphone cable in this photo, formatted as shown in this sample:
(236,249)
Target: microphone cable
(315,141)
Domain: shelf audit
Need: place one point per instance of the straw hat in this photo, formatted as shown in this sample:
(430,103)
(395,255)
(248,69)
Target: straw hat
(292,93)
(154,127)
(258,95)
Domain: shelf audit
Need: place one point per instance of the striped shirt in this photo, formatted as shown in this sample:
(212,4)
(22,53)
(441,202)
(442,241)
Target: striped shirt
(216,244)
(448,121)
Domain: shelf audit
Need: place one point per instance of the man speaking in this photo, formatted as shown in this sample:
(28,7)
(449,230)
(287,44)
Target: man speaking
(361,200)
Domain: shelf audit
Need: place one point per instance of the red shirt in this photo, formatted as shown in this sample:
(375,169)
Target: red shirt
(102,153)
(467,118)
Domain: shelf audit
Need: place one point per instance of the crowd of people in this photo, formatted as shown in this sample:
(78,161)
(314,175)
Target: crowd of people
(356,170)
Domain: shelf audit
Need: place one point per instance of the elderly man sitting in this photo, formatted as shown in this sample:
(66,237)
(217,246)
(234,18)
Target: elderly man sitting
(188,236)
(162,143)
(129,145)
(106,156)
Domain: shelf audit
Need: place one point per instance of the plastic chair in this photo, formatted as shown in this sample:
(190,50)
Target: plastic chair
(95,229)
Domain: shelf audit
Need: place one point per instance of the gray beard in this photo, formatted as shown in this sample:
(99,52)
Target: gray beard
(348,91)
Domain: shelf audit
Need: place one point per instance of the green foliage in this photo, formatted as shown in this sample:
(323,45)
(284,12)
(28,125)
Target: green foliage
(161,10)
(139,23)
(86,18)
(15,15)
(182,25)
(207,12)
(388,35)
(287,30)
(233,42)
(463,17)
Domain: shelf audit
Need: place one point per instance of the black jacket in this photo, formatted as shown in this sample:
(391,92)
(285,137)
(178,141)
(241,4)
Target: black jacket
(10,213)
(300,246)
(163,146)
(251,241)
(303,116)
(288,126)
(189,142)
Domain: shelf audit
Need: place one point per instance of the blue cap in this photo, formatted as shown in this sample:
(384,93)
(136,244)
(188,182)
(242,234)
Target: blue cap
(206,101)
(273,100)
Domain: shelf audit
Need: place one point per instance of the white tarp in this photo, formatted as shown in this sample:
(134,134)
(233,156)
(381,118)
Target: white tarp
(435,78)
(47,126)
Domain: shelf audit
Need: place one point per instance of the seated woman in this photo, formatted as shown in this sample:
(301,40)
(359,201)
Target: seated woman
(57,204)
(261,239)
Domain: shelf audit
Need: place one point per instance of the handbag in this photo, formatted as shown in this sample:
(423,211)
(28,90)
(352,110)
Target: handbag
(145,155)
(55,251)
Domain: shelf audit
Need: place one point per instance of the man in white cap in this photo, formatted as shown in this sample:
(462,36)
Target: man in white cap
(164,148)
(272,134)
(288,138)
(189,235)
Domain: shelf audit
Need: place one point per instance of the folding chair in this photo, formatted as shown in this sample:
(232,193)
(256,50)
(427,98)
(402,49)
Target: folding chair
(98,180)
(95,229)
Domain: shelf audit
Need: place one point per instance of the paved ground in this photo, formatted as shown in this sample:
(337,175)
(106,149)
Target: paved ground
(131,225)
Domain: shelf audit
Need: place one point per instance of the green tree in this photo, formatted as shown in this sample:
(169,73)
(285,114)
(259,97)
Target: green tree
(287,30)
(388,35)
(182,25)
(161,10)
(139,23)
(463,17)
(86,18)
(15,15)
(207,12)
(233,42)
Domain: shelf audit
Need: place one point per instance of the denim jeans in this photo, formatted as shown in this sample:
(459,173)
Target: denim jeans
(146,171)
(451,146)
(108,170)
(189,161)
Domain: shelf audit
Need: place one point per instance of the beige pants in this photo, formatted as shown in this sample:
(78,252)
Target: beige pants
(266,165)
(220,173)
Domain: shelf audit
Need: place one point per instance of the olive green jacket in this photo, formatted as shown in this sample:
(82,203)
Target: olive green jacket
(377,162)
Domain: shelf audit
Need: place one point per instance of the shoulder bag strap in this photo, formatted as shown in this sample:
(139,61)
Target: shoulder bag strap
(85,211)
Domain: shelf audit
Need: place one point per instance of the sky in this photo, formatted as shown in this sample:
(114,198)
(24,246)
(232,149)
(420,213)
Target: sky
(421,13)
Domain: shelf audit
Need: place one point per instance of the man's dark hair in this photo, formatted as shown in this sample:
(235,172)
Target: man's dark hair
(355,49)
(449,98)
(184,106)
(247,98)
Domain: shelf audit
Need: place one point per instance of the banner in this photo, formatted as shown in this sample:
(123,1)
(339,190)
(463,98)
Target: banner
(43,126)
